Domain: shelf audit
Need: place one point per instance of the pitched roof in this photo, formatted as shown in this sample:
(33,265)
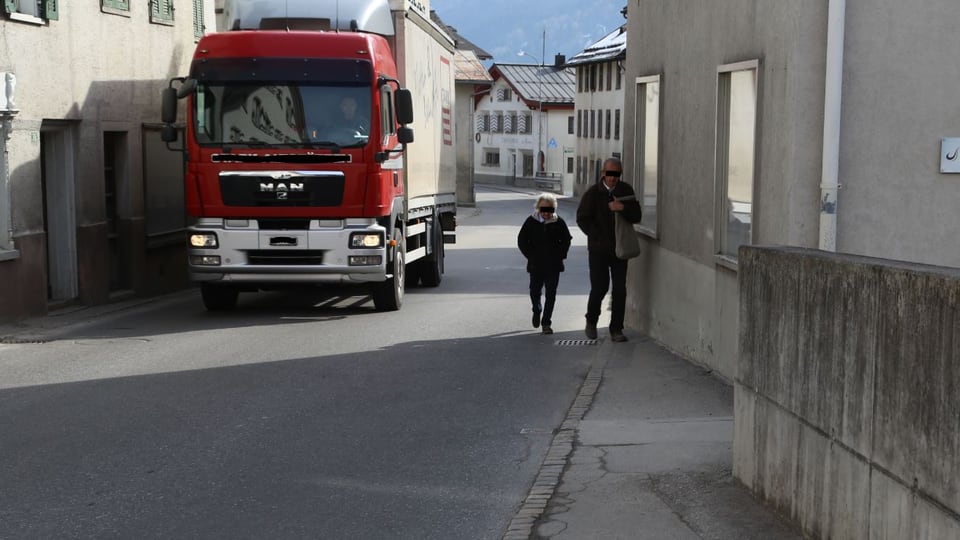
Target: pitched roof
(609,47)
(460,42)
(469,69)
(557,85)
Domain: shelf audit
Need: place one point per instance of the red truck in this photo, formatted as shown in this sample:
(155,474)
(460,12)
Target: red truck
(296,139)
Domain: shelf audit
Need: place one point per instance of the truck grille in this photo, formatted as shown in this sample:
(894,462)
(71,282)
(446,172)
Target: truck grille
(305,189)
(285,257)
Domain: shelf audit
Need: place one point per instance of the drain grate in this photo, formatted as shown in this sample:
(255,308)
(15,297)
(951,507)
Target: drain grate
(576,342)
(12,340)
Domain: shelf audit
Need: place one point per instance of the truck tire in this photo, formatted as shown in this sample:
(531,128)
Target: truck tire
(219,297)
(431,266)
(388,295)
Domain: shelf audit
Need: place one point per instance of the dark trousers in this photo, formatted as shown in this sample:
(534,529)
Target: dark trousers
(546,282)
(605,269)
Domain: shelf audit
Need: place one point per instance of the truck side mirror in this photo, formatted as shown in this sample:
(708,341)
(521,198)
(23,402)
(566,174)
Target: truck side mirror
(168,133)
(187,88)
(168,102)
(405,135)
(404,105)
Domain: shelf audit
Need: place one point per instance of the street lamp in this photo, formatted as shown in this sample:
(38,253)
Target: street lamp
(539,107)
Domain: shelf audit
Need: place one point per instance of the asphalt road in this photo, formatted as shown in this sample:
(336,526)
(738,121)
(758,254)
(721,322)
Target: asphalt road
(299,415)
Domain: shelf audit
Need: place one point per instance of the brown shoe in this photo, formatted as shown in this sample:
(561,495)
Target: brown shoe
(591,330)
(617,337)
(547,330)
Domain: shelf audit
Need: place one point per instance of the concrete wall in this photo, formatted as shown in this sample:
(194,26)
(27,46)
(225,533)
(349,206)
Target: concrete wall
(847,409)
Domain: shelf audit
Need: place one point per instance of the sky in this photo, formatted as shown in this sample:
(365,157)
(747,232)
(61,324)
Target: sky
(505,27)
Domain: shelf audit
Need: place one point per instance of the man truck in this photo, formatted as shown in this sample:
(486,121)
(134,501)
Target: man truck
(301,166)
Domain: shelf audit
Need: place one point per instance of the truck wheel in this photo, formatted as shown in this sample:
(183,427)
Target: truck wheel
(431,266)
(388,296)
(219,297)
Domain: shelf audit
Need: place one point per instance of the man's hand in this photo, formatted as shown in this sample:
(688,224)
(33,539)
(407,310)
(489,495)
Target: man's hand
(615,206)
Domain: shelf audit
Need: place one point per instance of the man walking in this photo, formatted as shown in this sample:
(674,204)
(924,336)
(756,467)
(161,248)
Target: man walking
(595,217)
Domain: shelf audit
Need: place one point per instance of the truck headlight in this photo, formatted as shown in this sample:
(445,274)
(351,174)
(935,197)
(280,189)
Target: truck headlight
(204,240)
(366,240)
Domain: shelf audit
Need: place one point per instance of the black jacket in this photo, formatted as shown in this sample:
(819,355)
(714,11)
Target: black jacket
(595,218)
(545,245)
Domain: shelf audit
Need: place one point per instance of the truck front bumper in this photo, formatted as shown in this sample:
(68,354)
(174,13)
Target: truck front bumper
(246,254)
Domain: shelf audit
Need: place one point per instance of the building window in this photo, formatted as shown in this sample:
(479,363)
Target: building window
(161,12)
(619,76)
(491,158)
(616,125)
(593,77)
(579,123)
(116,7)
(593,123)
(569,165)
(198,23)
(606,133)
(600,124)
(35,11)
(736,156)
(482,121)
(496,120)
(525,125)
(600,77)
(610,69)
(570,125)
(647,148)
(509,122)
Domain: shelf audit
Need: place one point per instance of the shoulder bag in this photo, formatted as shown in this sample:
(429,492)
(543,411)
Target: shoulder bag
(627,243)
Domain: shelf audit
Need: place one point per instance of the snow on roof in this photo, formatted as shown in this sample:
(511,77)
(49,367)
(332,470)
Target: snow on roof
(609,47)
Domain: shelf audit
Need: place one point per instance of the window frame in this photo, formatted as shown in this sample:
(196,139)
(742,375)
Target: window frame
(47,10)
(116,7)
(162,12)
(199,20)
(641,151)
(723,139)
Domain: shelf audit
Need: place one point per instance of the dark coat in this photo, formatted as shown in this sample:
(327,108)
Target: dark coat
(595,218)
(545,245)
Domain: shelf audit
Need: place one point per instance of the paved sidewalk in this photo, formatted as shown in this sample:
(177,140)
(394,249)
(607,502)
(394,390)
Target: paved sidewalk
(649,456)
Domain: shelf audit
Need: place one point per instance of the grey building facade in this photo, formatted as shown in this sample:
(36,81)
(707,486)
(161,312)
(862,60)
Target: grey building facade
(91,204)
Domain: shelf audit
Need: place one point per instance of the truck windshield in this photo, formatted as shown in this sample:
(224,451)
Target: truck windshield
(265,114)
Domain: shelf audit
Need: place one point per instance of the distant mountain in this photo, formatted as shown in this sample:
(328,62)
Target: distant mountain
(505,27)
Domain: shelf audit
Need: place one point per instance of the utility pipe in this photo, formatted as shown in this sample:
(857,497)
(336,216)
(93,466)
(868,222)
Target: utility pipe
(832,108)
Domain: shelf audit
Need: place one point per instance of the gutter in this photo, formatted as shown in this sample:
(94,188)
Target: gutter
(832,109)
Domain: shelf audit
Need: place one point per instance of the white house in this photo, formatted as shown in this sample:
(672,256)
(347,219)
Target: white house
(599,105)
(524,127)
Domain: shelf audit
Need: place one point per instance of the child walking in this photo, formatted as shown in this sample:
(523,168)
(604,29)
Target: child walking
(544,240)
